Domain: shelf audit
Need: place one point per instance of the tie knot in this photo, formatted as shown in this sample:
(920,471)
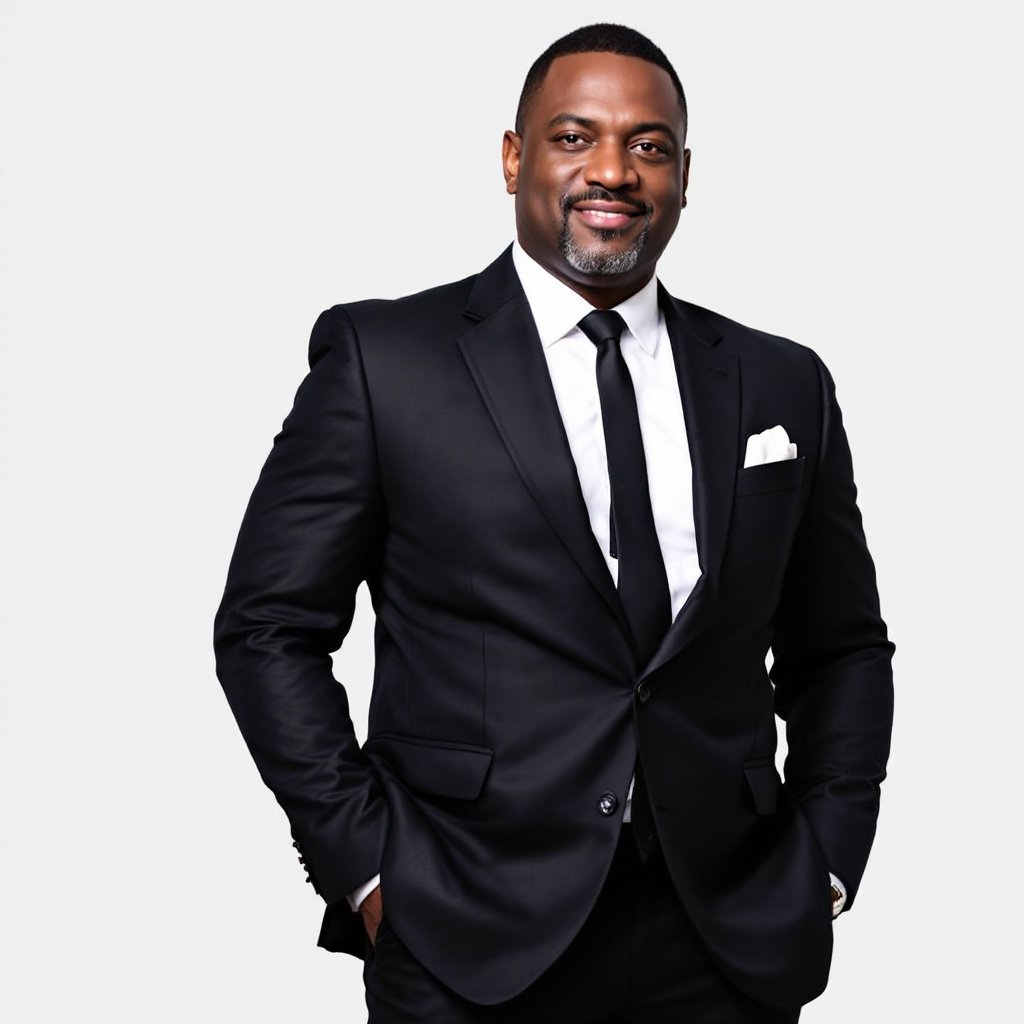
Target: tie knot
(602,325)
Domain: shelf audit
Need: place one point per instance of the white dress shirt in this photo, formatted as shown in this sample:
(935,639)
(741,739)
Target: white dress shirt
(572,364)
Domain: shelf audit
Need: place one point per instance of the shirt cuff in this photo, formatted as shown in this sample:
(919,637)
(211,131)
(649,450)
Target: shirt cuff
(356,897)
(837,906)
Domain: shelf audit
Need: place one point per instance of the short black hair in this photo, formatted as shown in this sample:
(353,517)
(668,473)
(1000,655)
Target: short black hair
(600,38)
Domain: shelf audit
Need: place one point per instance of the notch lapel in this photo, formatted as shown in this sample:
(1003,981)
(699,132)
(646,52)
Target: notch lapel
(709,386)
(504,356)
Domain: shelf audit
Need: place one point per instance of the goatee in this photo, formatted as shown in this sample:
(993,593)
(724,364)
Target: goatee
(596,260)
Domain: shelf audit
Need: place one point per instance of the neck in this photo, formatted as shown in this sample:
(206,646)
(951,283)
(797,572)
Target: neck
(607,296)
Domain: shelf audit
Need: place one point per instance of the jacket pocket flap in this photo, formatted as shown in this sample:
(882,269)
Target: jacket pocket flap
(764,783)
(455,770)
(771,476)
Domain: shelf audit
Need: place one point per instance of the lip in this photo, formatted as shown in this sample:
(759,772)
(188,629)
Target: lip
(606,216)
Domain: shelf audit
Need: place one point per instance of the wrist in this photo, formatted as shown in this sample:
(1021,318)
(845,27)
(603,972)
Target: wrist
(838,895)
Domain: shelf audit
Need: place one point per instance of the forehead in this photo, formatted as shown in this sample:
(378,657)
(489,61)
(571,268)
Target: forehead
(605,87)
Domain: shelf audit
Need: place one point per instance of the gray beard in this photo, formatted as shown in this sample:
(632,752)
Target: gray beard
(591,261)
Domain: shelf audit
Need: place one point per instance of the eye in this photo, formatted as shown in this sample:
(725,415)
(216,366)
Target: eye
(571,139)
(649,148)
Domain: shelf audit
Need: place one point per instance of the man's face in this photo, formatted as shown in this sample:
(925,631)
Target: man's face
(599,173)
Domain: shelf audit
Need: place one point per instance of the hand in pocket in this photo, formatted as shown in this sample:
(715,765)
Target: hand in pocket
(371,911)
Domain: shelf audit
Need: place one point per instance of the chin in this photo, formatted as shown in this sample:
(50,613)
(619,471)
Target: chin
(600,260)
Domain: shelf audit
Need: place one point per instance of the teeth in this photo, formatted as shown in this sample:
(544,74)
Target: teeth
(604,213)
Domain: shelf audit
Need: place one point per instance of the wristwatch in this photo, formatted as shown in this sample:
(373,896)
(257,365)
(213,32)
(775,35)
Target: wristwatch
(838,900)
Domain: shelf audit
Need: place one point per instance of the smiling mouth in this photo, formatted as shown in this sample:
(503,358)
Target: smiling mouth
(603,211)
(605,220)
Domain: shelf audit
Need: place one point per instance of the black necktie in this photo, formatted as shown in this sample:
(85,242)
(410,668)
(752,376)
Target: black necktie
(642,584)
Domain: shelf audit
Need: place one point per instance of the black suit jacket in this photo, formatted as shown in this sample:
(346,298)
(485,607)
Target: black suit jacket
(425,454)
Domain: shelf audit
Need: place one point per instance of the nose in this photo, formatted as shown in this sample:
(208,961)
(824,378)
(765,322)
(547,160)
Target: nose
(611,166)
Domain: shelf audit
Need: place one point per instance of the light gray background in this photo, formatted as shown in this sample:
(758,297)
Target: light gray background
(185,186)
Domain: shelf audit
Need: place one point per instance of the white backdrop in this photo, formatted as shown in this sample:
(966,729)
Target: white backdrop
(186,185)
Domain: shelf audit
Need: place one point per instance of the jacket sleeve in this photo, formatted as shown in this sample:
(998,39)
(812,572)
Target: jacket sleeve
(311,533)
(833,662)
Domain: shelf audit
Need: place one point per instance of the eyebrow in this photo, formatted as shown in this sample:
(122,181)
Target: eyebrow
(566,118)
(591,125)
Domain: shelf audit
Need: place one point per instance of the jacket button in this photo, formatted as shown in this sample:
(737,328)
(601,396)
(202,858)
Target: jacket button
(643,692)
(607,803)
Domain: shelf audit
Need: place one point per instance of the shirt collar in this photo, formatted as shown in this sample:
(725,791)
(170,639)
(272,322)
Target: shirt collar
(557,309)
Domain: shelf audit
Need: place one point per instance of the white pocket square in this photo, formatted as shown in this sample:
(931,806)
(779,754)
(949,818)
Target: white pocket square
(771,445)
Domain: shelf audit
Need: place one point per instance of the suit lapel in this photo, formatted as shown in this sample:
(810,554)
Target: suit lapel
(504,356)
(710,392)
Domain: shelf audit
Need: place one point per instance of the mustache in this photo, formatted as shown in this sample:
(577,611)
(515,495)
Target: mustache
(607,196)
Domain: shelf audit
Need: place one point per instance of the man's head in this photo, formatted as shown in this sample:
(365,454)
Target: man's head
(597,161)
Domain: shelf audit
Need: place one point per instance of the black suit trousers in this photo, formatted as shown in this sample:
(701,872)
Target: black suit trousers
(637,958)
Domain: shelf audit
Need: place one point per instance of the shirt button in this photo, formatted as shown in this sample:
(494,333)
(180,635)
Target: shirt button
(643,692)
(607,803)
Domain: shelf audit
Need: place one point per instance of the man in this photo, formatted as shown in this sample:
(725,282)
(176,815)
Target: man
(585,511)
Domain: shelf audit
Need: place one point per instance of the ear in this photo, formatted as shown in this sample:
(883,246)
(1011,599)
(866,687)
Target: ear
(511,145)
(686,175)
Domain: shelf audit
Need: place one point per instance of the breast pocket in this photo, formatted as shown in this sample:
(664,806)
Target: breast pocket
(771,476)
